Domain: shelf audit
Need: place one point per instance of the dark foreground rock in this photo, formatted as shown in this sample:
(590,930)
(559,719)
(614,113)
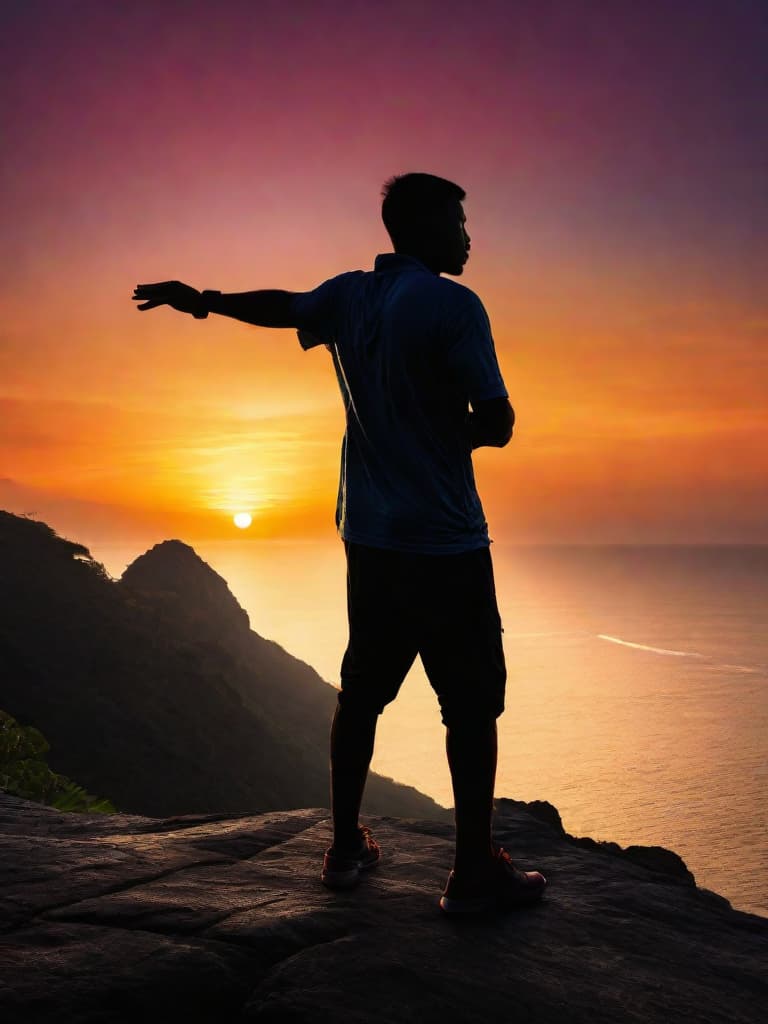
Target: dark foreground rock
(222,918)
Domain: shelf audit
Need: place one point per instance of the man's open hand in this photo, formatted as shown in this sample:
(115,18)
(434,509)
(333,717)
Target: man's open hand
(168,293)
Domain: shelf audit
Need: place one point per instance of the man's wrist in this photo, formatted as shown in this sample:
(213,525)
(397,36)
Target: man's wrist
(207,299)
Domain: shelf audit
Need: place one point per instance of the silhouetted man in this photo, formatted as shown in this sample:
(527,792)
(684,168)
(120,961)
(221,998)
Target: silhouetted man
(412,351)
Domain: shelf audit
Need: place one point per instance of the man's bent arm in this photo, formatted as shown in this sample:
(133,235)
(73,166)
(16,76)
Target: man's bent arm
(266,308)
(491,423)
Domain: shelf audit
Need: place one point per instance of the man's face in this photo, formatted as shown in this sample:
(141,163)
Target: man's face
(440,240)
(451,241)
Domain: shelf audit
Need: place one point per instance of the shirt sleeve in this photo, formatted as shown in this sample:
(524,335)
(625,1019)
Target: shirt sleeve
(316,314)
(471,354)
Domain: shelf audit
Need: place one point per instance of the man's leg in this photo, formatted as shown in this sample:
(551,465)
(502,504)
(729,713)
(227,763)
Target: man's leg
(483,877)
(463,657)
(472,749)
(378,657)
(352,737)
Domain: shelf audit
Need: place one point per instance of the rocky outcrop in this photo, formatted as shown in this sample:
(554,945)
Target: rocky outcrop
(186,589)
(222,918)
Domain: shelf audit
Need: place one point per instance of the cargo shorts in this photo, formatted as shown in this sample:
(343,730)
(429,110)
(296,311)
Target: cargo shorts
(441,607)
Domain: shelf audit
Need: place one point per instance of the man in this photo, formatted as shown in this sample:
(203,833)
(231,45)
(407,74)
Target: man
(412,351)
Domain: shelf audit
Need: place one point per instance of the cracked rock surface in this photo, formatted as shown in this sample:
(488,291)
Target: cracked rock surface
(222,918)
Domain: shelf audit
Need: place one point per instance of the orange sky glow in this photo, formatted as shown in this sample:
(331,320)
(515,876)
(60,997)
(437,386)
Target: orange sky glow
(620,259)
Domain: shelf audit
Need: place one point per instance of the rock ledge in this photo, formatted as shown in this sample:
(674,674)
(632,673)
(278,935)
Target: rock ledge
(222,918)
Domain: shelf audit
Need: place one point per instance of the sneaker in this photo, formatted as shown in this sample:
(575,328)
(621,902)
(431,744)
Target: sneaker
(505,887)
(341,868)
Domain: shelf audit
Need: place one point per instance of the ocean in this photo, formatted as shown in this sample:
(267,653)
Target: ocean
(637,693)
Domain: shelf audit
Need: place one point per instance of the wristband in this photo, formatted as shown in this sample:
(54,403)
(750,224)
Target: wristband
(205,297)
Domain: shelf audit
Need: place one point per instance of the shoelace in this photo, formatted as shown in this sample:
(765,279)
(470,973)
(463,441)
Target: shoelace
(367,839)
(521,875)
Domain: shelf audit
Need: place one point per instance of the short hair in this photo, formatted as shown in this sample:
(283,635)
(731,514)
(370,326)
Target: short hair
(411,200)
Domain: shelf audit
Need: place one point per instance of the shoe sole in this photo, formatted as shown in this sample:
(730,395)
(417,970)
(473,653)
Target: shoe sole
(477,906)
(346,879)
(483,904)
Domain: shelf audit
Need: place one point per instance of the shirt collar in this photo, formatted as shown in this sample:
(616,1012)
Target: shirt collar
(387,262)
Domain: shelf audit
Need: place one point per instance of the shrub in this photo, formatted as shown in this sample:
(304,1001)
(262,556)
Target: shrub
(24,772)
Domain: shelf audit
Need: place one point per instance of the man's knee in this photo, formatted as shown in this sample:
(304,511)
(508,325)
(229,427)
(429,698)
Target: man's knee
(470,721)
(359,704)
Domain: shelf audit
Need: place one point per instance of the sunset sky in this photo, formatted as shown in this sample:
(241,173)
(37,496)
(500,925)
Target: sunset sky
(615,159)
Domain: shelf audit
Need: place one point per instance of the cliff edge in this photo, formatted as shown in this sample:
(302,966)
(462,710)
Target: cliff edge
(222,918)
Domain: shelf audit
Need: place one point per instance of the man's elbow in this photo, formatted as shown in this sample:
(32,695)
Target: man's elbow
(507,429)
(492,424)
(503,440)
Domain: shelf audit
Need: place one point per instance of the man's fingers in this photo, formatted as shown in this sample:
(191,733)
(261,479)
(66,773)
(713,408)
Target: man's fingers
(161,293)
(148,293)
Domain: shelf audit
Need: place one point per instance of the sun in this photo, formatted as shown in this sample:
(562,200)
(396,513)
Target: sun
(243,520)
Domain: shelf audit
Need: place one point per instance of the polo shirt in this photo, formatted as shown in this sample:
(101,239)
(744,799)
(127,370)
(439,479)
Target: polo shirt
(411,350)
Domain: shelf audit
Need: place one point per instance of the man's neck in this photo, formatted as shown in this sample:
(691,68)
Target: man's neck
(429,262)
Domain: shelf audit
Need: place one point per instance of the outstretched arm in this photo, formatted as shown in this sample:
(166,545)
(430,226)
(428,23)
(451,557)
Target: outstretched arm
(266,308)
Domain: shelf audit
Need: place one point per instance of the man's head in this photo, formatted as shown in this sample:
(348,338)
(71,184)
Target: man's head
(424,218)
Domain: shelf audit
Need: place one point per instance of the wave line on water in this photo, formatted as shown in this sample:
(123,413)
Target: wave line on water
(567,632)
(645,647)
(679,654)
